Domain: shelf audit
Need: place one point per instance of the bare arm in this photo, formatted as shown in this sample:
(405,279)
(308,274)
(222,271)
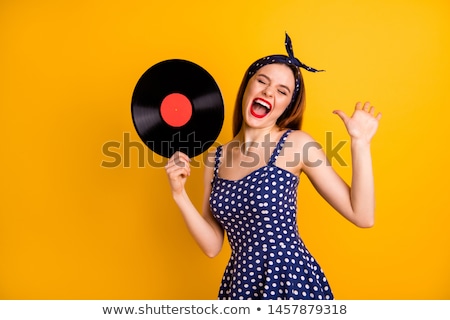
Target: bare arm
(204,228)
(356,203)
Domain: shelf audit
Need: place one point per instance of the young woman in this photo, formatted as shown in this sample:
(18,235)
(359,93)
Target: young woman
(251,192)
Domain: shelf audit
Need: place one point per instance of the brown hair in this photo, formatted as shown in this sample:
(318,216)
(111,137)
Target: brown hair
(291,118)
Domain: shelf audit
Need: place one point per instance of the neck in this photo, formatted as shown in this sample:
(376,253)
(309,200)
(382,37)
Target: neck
(252,138)
(249,135)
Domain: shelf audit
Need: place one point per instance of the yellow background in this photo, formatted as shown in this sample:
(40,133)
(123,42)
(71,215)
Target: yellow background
(72,229)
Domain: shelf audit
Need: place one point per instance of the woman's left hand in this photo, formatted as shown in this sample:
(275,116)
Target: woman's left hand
(363,123)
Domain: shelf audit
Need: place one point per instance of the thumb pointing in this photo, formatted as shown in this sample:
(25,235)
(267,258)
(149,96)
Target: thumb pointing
(341,115)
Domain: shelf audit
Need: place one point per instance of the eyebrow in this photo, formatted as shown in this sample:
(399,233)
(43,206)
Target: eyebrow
(281,85)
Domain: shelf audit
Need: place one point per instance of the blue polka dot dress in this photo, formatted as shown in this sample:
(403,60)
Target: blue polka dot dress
(269,259)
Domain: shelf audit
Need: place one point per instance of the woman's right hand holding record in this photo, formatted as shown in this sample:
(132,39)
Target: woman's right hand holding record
(178,169)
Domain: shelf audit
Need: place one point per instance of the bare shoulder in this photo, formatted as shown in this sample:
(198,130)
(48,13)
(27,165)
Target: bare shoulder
(299,150)
(299,139)
(209,160)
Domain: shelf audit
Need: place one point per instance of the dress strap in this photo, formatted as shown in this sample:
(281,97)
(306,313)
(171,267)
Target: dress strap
(217,163)
(280,144)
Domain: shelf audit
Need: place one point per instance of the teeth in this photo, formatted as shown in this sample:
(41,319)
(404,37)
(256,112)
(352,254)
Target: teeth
(263,103)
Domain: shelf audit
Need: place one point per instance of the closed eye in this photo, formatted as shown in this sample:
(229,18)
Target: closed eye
(263,79)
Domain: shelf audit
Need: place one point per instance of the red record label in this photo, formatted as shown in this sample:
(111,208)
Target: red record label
(176,109)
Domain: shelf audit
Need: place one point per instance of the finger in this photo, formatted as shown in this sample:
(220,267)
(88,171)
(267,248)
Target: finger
(183,156)
(372,111)
(177,156)
(174,172)
(178,162)
(378,117)
(342,115)
(183,165)
(358,106)
(182,160)
(177,166)
(182,172)
(170,163)
(366,106)
(171,159)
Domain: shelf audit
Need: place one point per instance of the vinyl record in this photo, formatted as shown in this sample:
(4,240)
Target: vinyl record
(177,106)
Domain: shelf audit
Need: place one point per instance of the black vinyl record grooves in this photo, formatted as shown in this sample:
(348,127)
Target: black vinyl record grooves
(177,106)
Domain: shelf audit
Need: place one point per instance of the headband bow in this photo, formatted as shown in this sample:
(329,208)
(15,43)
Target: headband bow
(293,60)
(289,60)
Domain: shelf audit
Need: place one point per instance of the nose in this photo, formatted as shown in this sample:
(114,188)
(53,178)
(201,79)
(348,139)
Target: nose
(268,91)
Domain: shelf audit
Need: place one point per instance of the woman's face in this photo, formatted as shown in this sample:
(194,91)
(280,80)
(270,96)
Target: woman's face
(267,95)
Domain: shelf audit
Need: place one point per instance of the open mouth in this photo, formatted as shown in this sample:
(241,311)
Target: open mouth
(260,108)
